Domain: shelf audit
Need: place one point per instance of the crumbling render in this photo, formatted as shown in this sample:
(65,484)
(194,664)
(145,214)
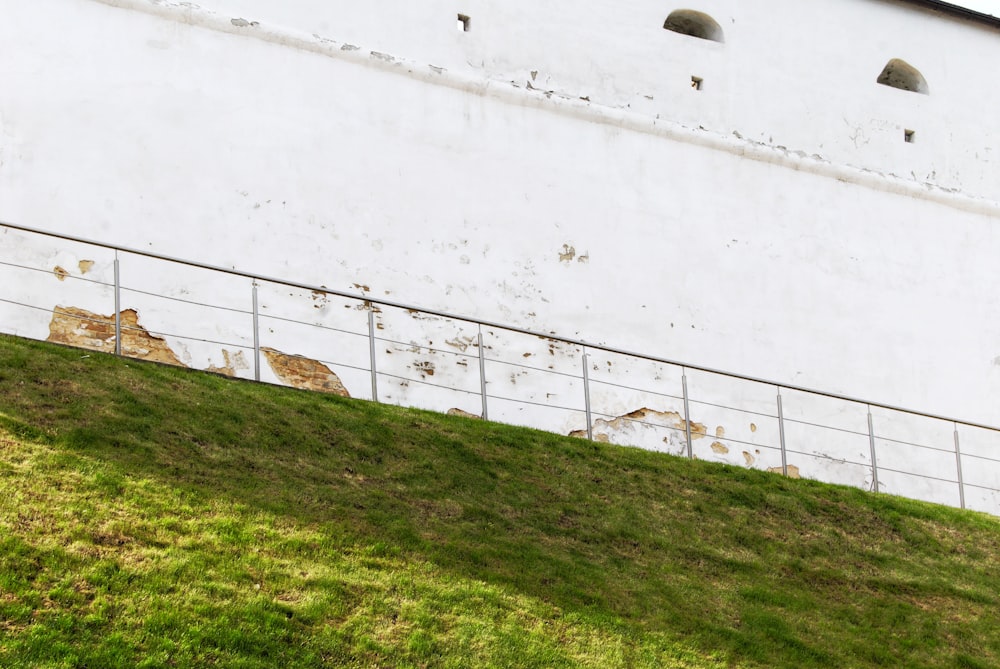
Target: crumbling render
(464,414)
(96,332)
(720,448)
(233,363)
(644,428)
(305,373)
(793,471)
(85,329)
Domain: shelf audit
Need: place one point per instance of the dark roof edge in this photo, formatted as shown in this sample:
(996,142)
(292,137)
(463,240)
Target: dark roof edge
(955,10)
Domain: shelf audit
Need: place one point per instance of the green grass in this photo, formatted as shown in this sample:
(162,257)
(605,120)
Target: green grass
(157,517)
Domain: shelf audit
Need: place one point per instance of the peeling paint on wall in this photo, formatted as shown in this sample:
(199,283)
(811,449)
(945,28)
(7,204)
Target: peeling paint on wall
(426,368)
(793,471)
(85,266)
(79,327)
(320,299)
(464,414)
(233,362)
(567,254)
(461,343)
(60,273)
(630,428)
(305,373)
(719,447)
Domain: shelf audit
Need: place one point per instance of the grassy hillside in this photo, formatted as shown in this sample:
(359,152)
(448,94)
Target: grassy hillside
(157,517)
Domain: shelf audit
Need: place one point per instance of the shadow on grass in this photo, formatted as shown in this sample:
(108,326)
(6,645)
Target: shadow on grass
(756,568)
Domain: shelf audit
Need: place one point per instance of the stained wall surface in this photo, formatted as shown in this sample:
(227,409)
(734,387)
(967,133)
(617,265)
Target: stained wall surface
(552,167)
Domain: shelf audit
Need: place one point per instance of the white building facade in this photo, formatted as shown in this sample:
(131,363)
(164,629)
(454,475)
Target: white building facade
(804,192)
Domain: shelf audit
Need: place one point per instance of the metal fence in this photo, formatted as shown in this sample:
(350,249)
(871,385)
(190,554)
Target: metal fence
(399,353)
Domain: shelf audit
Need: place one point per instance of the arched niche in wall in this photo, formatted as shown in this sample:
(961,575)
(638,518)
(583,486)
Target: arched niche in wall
(696,24)
(900,74)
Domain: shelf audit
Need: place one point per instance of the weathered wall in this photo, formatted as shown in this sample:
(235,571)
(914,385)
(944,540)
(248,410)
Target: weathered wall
(551,168)
(792,74)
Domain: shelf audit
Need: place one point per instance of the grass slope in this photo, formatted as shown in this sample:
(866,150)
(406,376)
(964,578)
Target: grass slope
(157,517)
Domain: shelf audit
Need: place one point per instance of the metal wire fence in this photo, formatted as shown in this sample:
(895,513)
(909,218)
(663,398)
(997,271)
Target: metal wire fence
(399,353)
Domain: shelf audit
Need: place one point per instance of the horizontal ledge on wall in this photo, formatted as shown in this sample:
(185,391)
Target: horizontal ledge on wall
(514,94)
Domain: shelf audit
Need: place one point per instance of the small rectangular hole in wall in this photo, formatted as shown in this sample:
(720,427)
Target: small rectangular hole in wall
(696,83)
(908,136)
(463,23)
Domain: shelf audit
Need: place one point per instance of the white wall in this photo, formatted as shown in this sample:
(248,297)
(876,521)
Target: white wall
(794,74)
(774,223)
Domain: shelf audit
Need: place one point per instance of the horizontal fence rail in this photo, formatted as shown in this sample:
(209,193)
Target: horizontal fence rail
(394,352)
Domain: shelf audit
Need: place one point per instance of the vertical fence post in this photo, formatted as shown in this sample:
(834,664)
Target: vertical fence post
(256,334)
(687,412)
(482,373)
(781,436)
(958,462)
(118,307)
(871,443)
(586,394)
(371,349)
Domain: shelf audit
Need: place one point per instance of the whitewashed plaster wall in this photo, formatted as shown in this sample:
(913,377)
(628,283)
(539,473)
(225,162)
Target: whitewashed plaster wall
(550,168)
(792,74)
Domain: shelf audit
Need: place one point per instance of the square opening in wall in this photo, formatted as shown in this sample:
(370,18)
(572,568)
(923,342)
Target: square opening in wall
(463,23)
(908,136)
(696,83)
